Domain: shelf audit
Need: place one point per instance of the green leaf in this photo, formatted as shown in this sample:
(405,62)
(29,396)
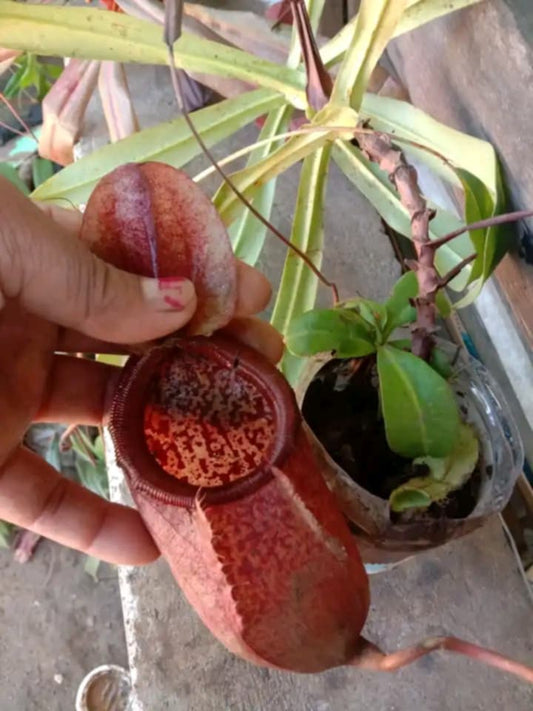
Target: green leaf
(111,359)
(441,362)
(42,169)
(93,477)
(30,73)
(403,344)
(490,244)
(417,13)
(250,179)
(376,186)
(9,172)
(405,498)
(445,474)
(373,313)
(98,448)
(170,142)
(421,415)
(478,205)
(298,285)
(53,452)
(248,233)
(90,465)
(472,164)
(53,71)
(374,27)
(466,152)
(339,330)
(443,303)
(399,309)
(6,534)
(91,567)
(13,86)
(93,34)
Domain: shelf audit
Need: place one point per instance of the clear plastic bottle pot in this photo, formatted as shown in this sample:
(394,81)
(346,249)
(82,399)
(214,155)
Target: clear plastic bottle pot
(380,538)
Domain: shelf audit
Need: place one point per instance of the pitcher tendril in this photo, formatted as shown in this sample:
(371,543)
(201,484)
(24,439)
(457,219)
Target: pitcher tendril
(172,33)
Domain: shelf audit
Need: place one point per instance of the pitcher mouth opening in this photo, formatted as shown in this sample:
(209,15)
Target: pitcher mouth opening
(203,417)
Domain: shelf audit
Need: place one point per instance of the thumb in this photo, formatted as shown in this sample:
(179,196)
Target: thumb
(52,273)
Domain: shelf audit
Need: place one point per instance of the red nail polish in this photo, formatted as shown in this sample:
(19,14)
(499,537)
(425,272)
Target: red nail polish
(171,282)
(173,302)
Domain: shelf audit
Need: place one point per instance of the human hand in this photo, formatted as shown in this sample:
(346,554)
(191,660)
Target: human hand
(56,298)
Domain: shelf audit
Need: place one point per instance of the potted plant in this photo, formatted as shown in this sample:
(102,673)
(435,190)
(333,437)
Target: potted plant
(417,451)
(418,441)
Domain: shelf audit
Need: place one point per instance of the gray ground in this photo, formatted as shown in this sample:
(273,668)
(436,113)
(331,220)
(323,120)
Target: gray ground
(56,624)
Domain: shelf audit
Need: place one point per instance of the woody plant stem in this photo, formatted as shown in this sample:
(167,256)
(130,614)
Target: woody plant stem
(378,148)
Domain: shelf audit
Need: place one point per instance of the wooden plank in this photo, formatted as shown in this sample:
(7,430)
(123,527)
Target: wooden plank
(515,282)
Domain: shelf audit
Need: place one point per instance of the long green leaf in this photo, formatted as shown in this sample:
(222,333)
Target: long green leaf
(248,233)
(6,534)
(490,244)
(418,13)
(250,179)
(479,204)
(298,286)
(376,187)
(11,174)
(97,34)
(170,142)
(374,27)
(473,165)
(42,169)
(421,415)
(463,151)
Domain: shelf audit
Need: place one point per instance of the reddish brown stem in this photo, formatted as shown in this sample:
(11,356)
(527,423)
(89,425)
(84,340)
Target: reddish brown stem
(371,657)
(319,82)
(12,129)
(19,118)
(180,98)
(378,147)
(25,545)
(446,279)
(482,224)
(285,14)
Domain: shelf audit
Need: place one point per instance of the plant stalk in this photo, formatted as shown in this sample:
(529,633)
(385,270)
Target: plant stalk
(371,657)
(171,34)
(319,82)
(379,149)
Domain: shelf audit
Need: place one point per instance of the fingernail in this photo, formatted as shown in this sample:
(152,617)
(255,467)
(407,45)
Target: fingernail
(169,293)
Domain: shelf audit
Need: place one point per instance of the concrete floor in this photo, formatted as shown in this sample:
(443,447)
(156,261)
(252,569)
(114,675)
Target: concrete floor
(470,588)
(56,624)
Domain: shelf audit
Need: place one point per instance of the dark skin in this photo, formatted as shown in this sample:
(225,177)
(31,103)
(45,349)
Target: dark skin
(57,298)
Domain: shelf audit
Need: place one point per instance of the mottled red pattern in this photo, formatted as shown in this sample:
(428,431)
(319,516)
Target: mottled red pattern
(271,566)
(153,220)
(275,575)
(210,438)
(206,424)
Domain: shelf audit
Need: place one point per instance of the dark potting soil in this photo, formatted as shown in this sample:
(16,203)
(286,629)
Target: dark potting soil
(341,406)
